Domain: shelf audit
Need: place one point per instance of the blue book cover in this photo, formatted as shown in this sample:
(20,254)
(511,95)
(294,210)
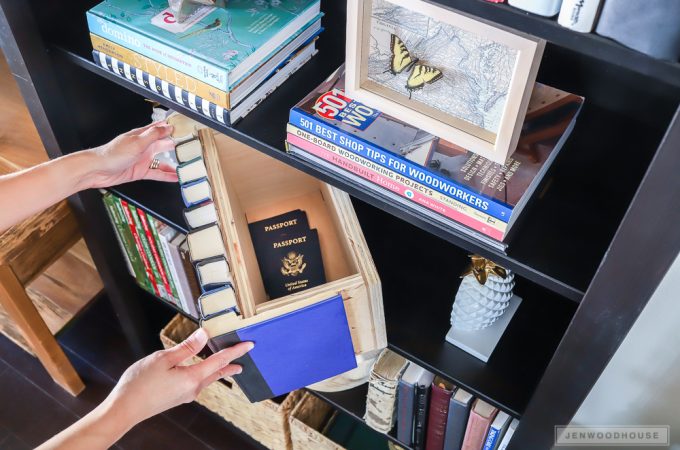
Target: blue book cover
(456,421)
(496,431)
(292,350)
(219,46)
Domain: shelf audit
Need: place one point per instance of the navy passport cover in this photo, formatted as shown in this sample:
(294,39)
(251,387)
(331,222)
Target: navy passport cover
(293,350)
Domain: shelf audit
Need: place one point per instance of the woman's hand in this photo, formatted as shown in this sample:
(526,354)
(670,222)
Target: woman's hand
(148,387)
(128,157)
(160,381)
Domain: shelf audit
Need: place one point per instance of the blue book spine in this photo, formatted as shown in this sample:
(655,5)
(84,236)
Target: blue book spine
(399,164)
(491,438)
(163,53)
(158,86)
(405,398)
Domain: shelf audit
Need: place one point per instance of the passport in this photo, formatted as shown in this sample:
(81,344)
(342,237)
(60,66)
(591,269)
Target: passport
(290,263)
(288,253)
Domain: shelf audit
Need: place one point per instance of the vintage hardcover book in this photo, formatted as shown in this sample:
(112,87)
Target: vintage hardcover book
(153,254)
(188,151)
(219,46)
(499,190)
(406,396)
(382,391)
(508,435)
(196,192)
(188,266)
(205,242)
(202,106)
(439,410)
(163,235)
(137,234)
(213,272)
(220,97)
(456,421)
(120,233)
(421,409)
(186,294)
(217,301)
(200,215)
(291,348)
(498,428)
(479,422)
(190,171)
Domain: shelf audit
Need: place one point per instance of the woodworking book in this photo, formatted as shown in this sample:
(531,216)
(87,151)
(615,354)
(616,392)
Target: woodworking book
(426,171)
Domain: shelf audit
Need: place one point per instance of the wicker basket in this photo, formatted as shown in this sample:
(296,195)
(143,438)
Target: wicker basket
(266,421)
(307,420)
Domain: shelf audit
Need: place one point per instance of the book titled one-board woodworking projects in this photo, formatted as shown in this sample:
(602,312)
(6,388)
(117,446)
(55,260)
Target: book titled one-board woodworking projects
(383,187)
(501,191)
(205,107)
(218,46)
(395,182)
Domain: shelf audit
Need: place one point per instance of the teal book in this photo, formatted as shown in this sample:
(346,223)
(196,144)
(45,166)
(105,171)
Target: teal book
(219,46)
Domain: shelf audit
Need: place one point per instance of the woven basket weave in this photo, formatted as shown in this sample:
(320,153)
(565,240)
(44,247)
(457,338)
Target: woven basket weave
(266,421)
(306,422)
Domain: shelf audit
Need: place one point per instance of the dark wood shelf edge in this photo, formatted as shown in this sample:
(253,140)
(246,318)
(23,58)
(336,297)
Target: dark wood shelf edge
(590,44)
(375,200)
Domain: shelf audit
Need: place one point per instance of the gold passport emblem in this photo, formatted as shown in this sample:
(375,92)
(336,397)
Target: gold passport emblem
(293,264)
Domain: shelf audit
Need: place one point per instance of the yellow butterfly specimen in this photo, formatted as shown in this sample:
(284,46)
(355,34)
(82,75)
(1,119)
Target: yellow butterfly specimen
(403,60)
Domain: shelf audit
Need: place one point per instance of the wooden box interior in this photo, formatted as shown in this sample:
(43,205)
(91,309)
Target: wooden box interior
(259,187)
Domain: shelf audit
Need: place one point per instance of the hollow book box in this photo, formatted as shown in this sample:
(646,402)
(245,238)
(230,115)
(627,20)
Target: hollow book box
(325,336)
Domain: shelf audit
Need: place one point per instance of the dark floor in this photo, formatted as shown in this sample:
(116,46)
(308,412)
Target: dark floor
(33,408)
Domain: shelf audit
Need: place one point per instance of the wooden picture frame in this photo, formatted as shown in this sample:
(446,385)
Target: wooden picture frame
(491,132)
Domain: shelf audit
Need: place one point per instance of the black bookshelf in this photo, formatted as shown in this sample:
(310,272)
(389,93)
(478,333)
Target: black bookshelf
(591,248)
(581,242)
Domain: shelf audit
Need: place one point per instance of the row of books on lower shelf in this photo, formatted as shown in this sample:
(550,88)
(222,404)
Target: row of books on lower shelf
(156,254)
(430,412)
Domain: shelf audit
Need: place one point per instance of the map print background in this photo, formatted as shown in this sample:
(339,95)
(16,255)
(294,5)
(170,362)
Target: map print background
(476,71)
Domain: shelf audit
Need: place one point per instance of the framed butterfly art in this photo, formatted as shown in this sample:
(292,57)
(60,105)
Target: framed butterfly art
(451,75)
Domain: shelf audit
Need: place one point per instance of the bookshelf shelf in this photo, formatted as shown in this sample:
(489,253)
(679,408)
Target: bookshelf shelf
(353,403)
(583,214)
(588,229)
(510,377)
(589,44)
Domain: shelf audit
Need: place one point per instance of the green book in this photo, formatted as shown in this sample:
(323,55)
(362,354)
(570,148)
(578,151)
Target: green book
(123,231)
(149,254)
(219,46)
(161,245)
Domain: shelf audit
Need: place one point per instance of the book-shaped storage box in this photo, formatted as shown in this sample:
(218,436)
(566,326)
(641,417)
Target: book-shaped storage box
(248,186)
(292,349)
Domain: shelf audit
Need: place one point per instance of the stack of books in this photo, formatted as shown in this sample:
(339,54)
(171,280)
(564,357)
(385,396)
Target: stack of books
(219,62)
(425,174)
(157,255)
(430,412)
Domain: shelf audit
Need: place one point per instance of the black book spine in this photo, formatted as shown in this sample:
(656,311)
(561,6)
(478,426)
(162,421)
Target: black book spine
(420,414)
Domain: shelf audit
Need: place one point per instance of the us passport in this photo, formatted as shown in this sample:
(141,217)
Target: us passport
(269,229)
(290,262)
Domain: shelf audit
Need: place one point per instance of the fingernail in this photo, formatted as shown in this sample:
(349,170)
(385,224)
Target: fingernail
(239,370)
(250,345)
(200,334)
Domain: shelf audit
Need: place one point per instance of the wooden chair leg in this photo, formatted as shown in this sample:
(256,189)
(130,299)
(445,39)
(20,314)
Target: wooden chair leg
(23,312)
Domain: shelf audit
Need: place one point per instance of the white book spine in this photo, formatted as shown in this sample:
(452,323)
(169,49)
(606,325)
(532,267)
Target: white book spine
(579,15)
(547,8)
(508,435)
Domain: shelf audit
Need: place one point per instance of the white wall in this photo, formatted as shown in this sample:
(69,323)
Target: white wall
(641,384)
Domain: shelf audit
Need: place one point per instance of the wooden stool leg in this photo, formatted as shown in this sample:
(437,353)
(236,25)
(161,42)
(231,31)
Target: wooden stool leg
(23,312)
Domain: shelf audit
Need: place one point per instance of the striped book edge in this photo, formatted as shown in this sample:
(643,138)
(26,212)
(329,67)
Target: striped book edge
(161,87)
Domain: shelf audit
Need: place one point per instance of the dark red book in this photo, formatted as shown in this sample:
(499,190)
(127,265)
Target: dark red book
(439,411)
